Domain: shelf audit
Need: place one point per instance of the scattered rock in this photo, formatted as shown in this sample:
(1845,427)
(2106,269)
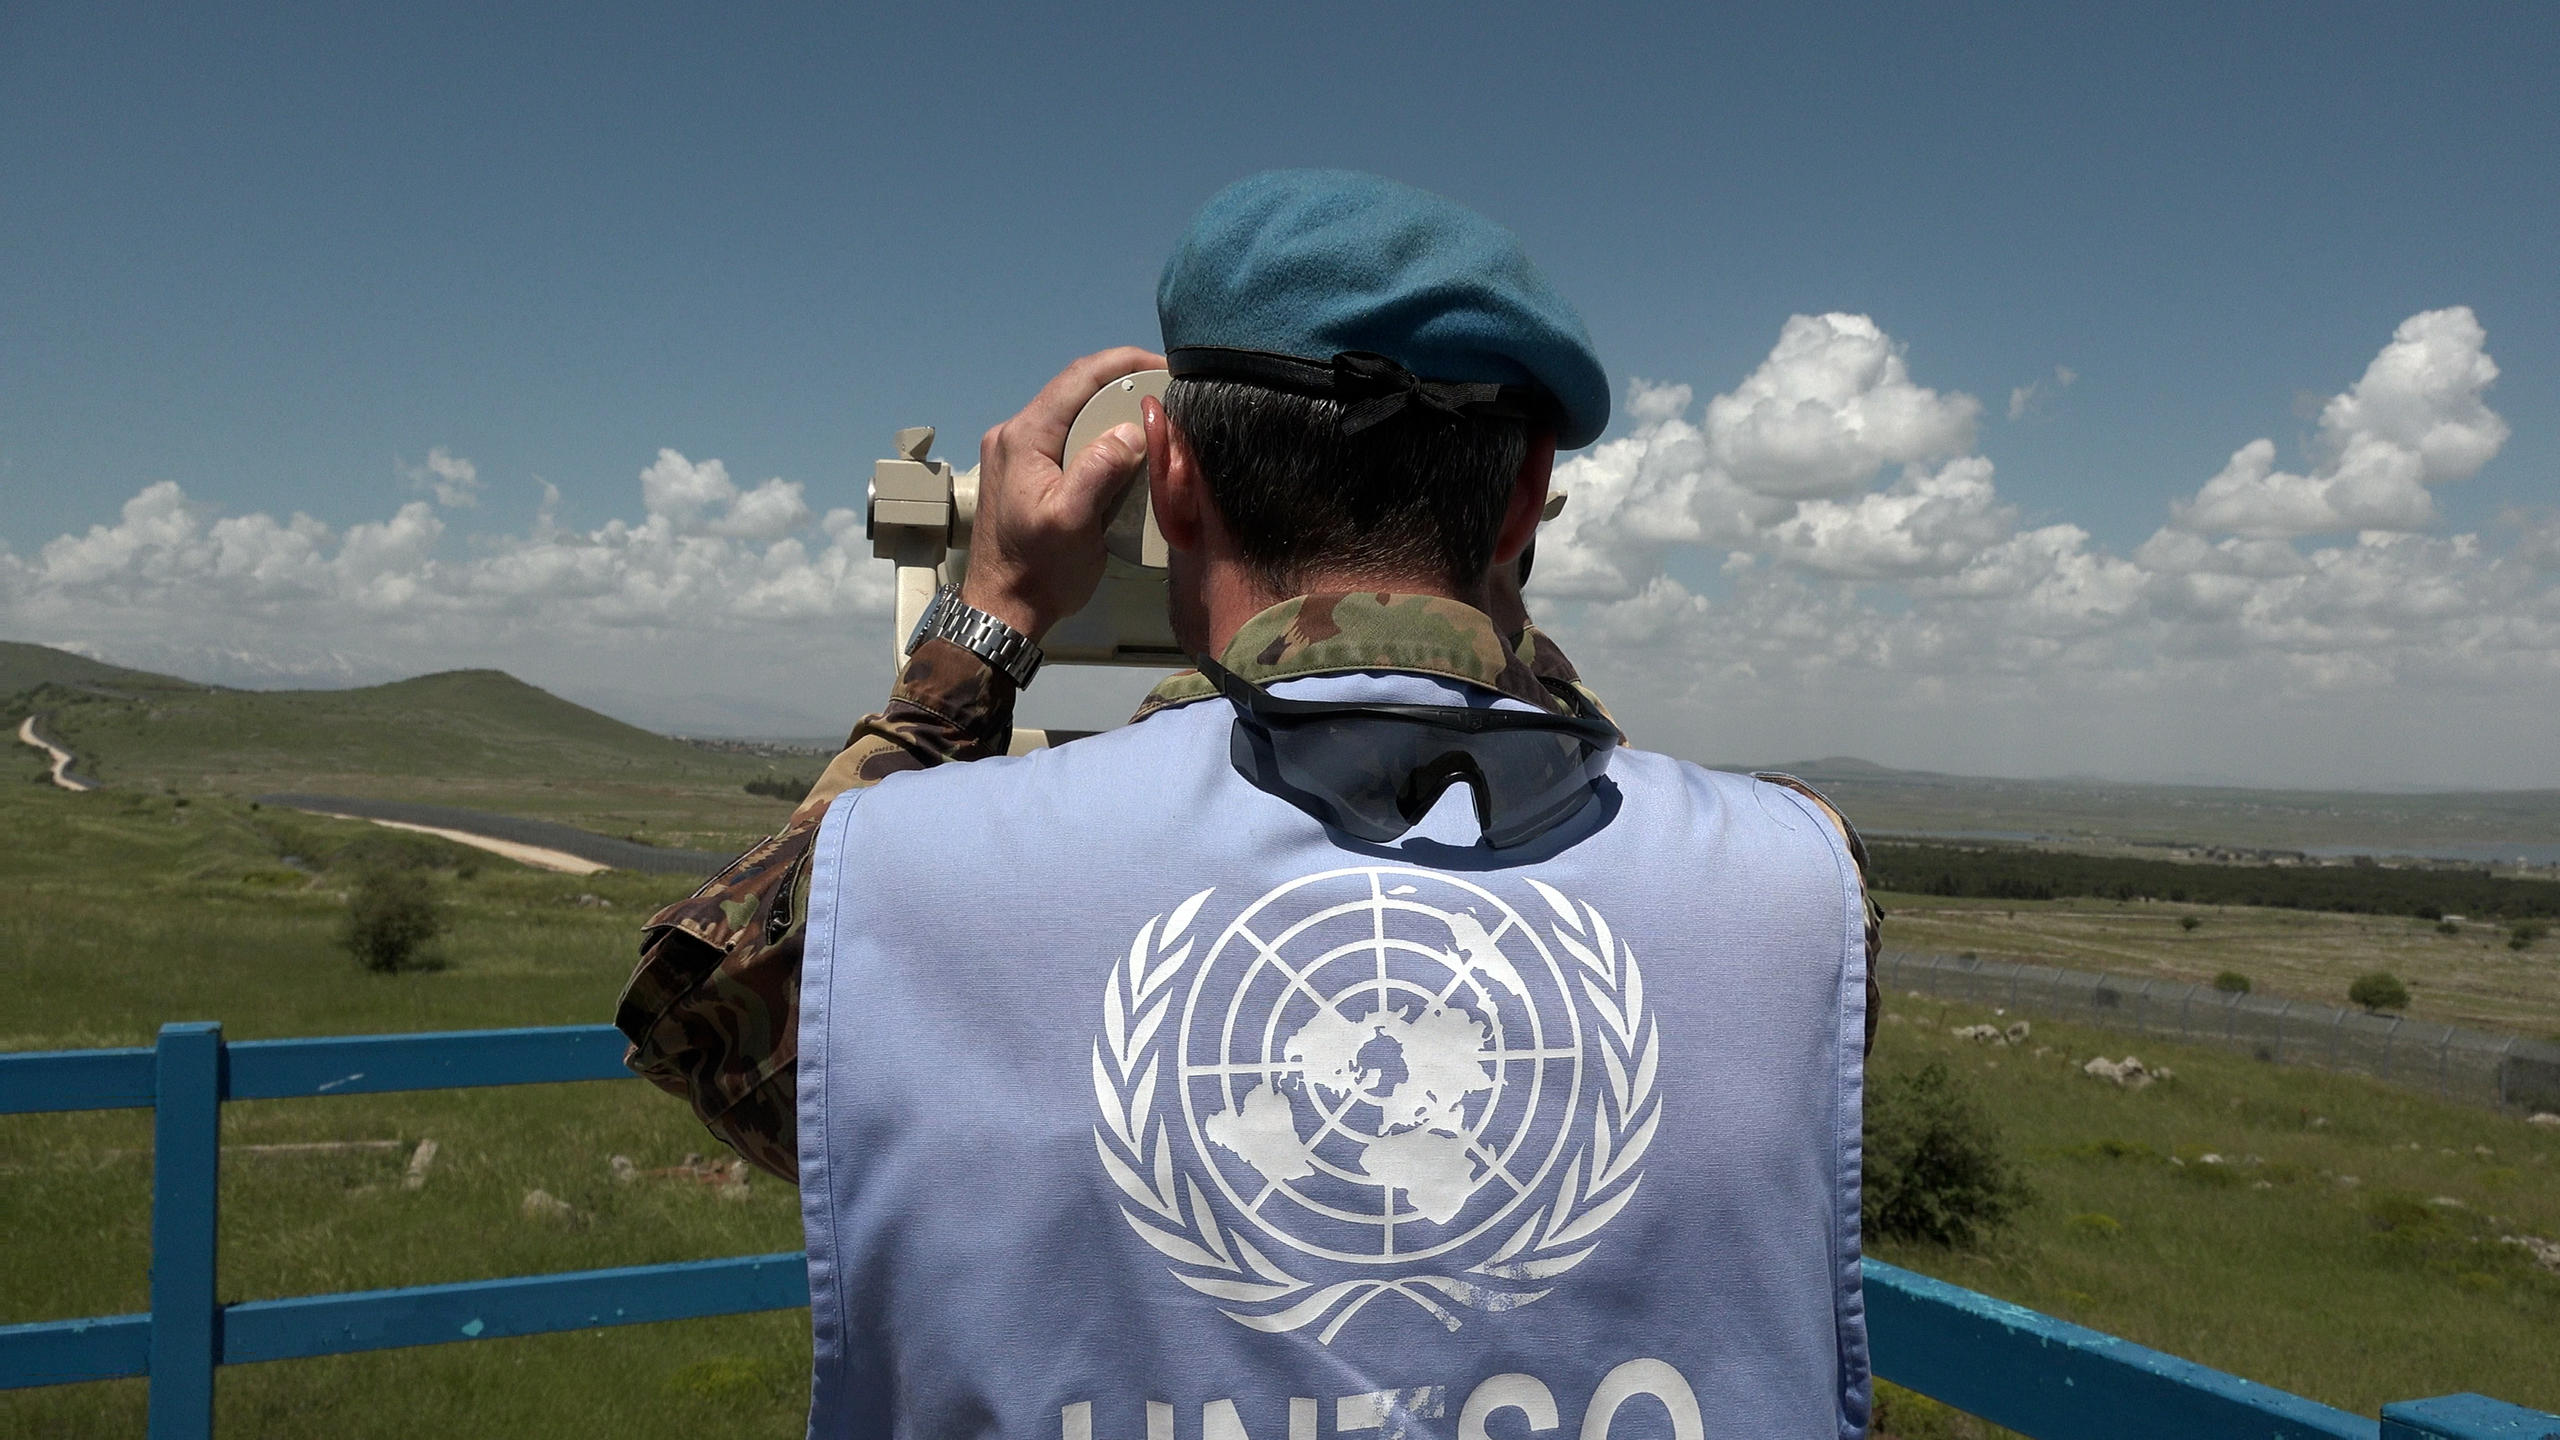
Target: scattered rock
(2129,1072)
(2319,1122)
(2448,1202)
(2263,1185)
(2484,1152)
(2017,1032)
(592,901)
(419,1160)
(2349,1182)
(2545,1253)
(624,1172)
(543,1205)
(2544,1118)
(2208,1158)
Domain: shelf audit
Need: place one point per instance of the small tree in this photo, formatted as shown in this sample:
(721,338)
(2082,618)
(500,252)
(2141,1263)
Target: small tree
(1935,1169)
(2188,922)
(2231,982)
(392,916)
(2379,991)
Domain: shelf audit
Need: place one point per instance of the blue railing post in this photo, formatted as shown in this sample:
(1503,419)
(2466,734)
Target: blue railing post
(186,1191)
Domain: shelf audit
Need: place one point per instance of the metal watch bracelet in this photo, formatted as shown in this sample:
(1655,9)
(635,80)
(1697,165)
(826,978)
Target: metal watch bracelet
(979,633)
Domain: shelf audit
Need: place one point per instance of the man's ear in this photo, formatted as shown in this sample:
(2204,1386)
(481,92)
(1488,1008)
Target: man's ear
(1528,501)
(1174,483)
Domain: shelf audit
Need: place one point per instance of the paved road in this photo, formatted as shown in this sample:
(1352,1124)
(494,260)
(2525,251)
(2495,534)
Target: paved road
(514,830)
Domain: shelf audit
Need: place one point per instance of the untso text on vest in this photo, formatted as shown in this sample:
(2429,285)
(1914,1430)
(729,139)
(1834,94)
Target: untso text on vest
(1134,1106)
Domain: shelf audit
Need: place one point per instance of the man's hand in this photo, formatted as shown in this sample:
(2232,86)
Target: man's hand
(1035,549)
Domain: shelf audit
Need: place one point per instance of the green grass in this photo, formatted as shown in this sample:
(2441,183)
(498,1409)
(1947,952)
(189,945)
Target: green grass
(478,738)
(2273,1265)
(129,909)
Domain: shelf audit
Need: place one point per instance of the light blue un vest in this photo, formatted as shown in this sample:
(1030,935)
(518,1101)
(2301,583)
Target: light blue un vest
(1132,1107)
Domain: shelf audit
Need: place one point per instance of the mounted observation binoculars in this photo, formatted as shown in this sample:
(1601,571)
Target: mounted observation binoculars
(921,510)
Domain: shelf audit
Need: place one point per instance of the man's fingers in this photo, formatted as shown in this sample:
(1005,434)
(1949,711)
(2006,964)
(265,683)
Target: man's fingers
(1097,476)
(1044,422)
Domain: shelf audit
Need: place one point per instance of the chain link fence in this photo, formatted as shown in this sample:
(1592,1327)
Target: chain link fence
(2511,1072)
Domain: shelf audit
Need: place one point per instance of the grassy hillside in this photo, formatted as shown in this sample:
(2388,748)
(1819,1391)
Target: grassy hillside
(24,667)
(475,738)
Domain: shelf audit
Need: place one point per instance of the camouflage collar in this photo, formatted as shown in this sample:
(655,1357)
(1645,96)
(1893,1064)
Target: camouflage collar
(1366,630)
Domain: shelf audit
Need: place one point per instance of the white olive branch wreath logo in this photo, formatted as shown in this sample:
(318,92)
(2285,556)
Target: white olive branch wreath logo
(1172,1214)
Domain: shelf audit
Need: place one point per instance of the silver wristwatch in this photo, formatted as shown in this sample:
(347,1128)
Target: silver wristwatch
(979,633)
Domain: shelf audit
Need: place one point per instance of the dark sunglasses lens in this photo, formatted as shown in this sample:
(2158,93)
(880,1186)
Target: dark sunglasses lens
(1374,777)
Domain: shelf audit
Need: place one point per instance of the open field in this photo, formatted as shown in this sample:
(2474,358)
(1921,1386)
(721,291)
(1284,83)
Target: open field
(2470,978)
(132,909)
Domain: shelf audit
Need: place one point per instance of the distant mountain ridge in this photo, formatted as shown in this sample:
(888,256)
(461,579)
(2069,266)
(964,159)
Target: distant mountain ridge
(484,738)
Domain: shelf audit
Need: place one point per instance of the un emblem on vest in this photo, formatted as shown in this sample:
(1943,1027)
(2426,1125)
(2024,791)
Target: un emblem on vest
(1372,1085)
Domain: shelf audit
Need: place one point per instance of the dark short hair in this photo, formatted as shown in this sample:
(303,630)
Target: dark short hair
(1417,496)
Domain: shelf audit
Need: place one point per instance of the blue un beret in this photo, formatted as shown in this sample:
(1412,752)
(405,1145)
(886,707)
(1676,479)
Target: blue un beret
(1336,282)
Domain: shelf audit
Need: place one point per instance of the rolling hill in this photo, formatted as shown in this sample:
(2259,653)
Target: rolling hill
(24,667)
(479,739)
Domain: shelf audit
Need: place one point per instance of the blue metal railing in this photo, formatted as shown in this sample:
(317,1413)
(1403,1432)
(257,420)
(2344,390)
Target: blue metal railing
(2029,1372)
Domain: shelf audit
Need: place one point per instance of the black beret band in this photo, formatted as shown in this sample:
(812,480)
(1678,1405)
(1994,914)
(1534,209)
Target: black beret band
(1373,388)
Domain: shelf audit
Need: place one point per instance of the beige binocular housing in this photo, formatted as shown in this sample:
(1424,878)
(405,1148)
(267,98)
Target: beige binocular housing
(921,509)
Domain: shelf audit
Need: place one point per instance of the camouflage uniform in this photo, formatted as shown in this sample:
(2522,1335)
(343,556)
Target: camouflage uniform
(713,1010)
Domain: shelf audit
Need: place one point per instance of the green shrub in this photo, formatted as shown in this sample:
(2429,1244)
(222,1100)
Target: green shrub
(2231,982)
(2379,991)
(2188,922)
(2448,927)
(2523,935)
(779,787)
(2097,1223)
(392,917)
(1935,1169)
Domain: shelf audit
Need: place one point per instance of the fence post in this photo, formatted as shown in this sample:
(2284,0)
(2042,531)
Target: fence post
(2444,1064)
(2505,1053)
(2281,1012)
(2336,1027)
(2387,1037)
(186,1176)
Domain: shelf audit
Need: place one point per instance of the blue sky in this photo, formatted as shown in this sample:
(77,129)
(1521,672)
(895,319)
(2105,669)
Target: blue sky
(278,260)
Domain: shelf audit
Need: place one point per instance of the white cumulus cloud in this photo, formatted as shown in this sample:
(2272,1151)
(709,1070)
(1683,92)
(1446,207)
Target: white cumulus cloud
(707,569)
(2418,418)
(452,479)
